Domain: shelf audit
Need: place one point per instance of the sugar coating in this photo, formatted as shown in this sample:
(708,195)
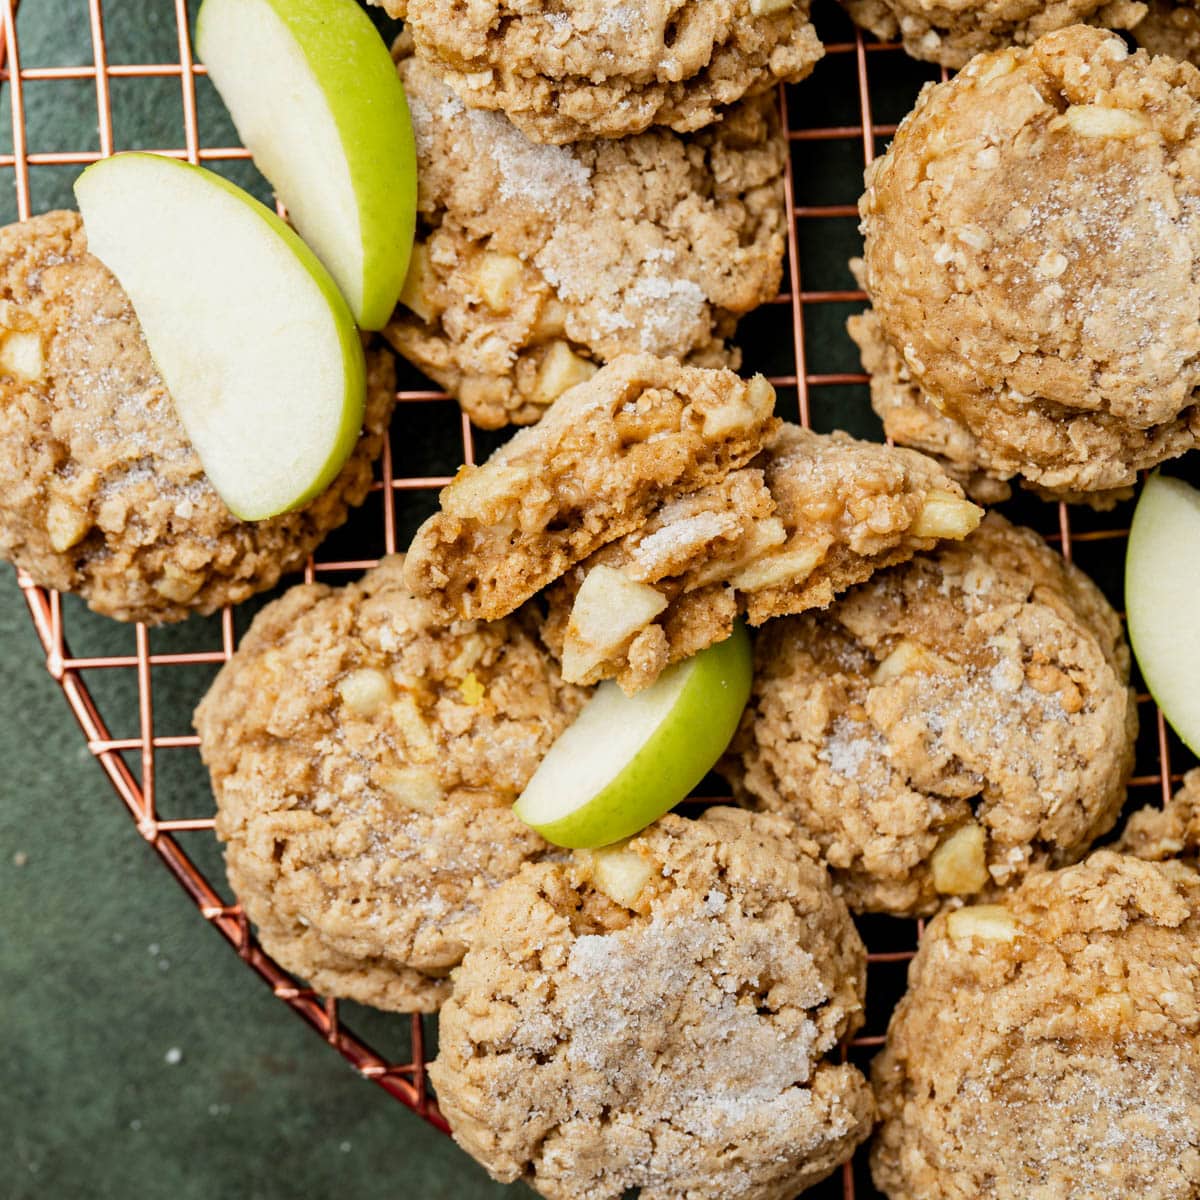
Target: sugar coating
(681,1047)
(1031,248)
(1062,1062)
(101,492)
(855,503)
(656,243)
(1011,709)
(591,68)
(949,33)
(364,824)
(603,458)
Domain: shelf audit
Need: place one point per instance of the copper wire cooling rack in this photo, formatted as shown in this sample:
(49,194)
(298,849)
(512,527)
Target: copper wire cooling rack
(836,122)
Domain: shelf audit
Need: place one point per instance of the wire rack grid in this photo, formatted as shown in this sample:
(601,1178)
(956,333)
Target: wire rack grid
(835,122)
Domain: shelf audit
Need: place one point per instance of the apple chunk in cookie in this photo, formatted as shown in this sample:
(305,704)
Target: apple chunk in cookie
(626,760)
(605,456)
(101,489)
(946,726)
(662,1016)
(364,759)
(811,516)
(1031,257)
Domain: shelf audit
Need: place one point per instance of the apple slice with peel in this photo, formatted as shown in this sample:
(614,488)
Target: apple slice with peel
(1162,583)
(316,99)
(251,335)
(626,760)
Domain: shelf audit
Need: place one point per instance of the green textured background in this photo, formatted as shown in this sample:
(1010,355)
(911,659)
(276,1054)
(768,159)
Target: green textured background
(106,970)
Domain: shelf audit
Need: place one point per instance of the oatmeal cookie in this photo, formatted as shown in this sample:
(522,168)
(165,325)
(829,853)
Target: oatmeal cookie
(1173,831)
(365,760)
(947,725)
(591,68)
(951,32)
(1049,1047)
(606,454)
(1033,258)
(1171,28)
(101,492)
(811,516)
(536,263)
(659,1017)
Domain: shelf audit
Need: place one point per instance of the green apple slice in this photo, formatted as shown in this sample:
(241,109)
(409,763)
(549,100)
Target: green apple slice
(1162,583)
(316,100)
(626,760)
(249,332)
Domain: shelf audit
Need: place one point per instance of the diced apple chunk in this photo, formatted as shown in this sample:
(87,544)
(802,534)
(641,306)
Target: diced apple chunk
(609,609)
(620,873)
(791,566)
(365,691)
(959,864)
(498,277)
(986,922)
(765,8)
(21,355)
(561,370)
(946,515)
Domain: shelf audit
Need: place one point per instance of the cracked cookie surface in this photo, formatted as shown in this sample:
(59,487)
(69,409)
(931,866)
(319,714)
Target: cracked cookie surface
(1050,1046)
(1032,240)
(365,759)
(592,68)
(101,492)
(606,454)
(947,725)
(811,516)
(675,1042)
(535,264)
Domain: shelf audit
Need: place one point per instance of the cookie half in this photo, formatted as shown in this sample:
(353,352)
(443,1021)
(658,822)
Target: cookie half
(610,451)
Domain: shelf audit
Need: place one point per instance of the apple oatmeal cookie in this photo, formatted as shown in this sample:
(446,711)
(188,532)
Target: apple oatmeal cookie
(535,264)
(1171,27)
(811,516)
(951,32)
(1032,255)
(101,492)
(597,68)
(607,453)
(946,726)
(365,759)
(1049,1046)
(660,1015)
